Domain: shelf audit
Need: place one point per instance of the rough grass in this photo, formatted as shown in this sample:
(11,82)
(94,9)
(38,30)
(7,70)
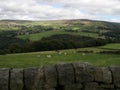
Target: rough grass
(37,59)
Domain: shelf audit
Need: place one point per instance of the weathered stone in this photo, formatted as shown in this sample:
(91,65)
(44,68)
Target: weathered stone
(34,79)
(98,74)
(50,76)
(107,76)
(92,86)
(16,79)
(116,75)
(4,79)
(50,89)
(103,75)
(73,87)
(59,87)
(39,80)
(65,74)
(83,72)
(107,86)
(96,86)
(30,75)
(76,76)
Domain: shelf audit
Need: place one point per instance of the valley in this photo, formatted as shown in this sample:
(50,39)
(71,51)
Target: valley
(38,43)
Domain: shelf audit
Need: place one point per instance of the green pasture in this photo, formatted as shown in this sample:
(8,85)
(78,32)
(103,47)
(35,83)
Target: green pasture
(36,59)
(112,46)
(38,36)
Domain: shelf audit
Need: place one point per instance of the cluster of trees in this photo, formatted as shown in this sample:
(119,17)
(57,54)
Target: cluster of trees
(7,39)
(112,35)
(55,42)
(7,34)
(9,43)
(66,41)
(90,31)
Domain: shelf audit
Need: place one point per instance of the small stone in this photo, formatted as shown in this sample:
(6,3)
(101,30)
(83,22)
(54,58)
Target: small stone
(49,89)
(92,86)
(73,87)
(107,86)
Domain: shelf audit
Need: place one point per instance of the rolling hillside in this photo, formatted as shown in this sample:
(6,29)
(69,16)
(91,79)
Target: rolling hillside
(16,34)
(35,30)
(57,24)
(30,38)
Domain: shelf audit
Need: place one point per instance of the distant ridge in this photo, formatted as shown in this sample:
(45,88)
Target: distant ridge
(84,24)
(10,20)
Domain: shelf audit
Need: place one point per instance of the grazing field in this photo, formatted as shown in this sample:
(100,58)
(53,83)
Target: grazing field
(38,36)
(53,57)
(112,46)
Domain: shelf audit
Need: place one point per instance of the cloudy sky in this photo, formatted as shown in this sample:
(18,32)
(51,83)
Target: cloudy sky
(108,10)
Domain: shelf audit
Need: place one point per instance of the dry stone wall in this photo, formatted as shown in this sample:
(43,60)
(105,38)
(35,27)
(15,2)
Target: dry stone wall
(72,76)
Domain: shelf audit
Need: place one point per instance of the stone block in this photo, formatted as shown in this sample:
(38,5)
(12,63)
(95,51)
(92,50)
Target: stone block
(34,79)
(83,72)
(4,79)
(50,76)
(65,74)
(98,74)
(103,75)
(16,79)
(116,75)
(107,75)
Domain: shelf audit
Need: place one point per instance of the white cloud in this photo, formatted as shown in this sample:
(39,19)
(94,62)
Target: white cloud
(93,6)
(72,9)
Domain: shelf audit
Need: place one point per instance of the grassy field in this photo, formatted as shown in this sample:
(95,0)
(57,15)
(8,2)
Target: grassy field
(112,46)
(37,59)
(38,36)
